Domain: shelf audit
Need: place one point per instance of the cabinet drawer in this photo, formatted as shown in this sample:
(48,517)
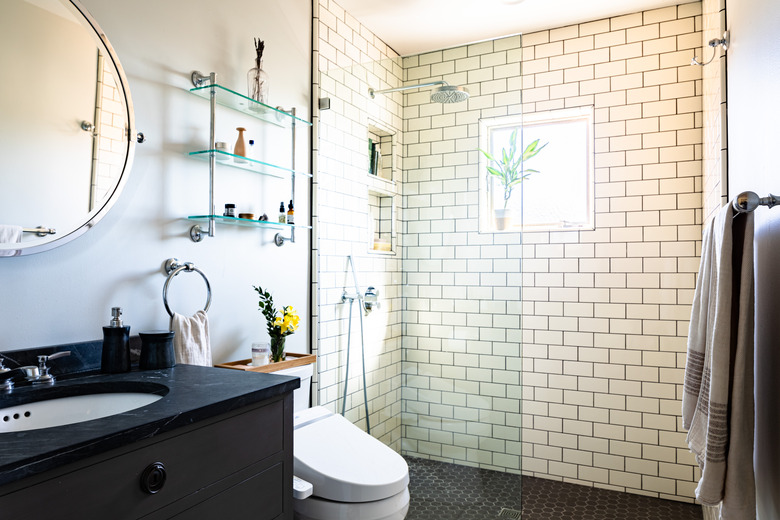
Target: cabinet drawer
(193,460)
(258,496)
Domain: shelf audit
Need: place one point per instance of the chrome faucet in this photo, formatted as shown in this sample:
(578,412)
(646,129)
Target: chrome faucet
(7,377)
(31,374)
(43,369)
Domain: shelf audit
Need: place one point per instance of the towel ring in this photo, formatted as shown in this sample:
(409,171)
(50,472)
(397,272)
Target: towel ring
(173,267)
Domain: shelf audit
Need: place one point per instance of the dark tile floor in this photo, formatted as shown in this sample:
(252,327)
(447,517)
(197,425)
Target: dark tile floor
(442,491)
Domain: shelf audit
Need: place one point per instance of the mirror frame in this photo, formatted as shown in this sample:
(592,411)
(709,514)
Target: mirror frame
(96,214)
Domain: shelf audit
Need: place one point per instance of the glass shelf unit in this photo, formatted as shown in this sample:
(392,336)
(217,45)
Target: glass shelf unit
(232,99)
(247,222)
(252,165)
(207,87)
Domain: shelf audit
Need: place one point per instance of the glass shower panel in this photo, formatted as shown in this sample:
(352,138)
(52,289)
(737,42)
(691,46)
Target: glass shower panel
(445,370)
(357,214)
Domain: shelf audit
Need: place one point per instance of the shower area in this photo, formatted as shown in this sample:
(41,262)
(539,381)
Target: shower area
(397,190)
(553,353)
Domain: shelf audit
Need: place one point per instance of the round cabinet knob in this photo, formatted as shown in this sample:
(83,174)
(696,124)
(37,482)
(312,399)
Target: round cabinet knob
(153,478)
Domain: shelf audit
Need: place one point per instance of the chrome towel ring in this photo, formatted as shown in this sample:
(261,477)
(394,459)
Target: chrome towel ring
(174,267)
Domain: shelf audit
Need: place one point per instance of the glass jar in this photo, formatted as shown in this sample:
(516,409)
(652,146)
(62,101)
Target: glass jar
(257,84)
(261,353)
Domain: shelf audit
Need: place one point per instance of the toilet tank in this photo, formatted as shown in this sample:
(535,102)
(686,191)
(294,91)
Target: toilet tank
(301,395)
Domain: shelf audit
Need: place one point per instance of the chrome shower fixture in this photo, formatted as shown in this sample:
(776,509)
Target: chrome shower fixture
(714,43)
(445,93)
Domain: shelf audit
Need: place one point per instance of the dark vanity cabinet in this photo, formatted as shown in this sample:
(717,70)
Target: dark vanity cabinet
(234,465)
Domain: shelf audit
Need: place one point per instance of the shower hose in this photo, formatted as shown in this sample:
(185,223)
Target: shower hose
(362,349)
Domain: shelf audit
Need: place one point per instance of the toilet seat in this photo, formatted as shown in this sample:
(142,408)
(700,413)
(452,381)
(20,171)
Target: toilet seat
(355,467)
(313,508)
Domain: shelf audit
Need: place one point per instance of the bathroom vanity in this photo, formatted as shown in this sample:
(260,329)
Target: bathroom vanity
(217,444)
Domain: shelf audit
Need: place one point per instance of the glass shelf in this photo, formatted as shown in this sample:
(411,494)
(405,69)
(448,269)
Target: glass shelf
(252,165)
(231,99)
(249,223)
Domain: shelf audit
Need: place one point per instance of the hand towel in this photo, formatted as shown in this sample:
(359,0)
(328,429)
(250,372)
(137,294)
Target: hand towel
(191,341)
(717,404)
(10,235)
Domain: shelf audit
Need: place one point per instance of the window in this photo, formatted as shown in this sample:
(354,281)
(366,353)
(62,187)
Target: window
(543,183)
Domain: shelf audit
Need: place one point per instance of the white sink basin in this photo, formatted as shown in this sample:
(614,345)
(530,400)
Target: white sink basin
(70,410)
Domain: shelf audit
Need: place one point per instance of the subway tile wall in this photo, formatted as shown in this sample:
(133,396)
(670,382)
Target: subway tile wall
(599,317)
(715,151)
(109,155)
(348,60)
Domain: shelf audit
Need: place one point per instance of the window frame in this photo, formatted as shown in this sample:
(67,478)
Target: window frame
(489,125)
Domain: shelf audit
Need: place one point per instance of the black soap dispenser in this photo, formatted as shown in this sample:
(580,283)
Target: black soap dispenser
(116,345)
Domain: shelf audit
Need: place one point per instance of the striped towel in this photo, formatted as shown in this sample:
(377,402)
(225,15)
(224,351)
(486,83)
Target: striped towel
(717,404)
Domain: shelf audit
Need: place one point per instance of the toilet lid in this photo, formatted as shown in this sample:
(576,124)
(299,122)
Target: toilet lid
(344,463)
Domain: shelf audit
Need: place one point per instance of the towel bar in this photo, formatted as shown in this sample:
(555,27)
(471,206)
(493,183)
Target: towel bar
(40,231)
(173,267)
(748,201)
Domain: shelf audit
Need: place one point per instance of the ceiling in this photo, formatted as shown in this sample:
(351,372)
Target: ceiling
(416,26)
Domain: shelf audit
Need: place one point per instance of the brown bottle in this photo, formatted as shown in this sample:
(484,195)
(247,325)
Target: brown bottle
(240,147)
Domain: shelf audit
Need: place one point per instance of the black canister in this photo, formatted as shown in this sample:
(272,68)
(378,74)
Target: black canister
(156,350)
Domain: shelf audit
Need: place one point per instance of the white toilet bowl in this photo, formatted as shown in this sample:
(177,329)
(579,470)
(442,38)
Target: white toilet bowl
(354,475)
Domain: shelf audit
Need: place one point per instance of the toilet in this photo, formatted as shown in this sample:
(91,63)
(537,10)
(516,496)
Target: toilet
(354,475)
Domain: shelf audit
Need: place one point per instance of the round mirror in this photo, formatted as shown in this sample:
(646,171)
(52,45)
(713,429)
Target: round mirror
(66,129)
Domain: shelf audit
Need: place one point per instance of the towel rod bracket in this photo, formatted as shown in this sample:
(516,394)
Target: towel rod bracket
(196,233)
(748,201)
(171,265)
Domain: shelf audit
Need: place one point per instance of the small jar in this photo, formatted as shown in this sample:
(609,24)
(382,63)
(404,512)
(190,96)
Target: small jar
(261,354)
(230,210)
(222,146)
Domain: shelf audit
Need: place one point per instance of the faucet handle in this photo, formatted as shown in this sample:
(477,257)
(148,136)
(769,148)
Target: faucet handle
(43,369)
(371,299)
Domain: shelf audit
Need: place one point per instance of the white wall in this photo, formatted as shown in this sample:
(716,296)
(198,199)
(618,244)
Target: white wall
(66,294)
(753,134)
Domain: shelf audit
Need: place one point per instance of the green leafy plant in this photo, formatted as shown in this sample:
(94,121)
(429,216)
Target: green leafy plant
(509,170)
(280,322)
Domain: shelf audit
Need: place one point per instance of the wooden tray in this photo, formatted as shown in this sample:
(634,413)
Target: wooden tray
(293,360)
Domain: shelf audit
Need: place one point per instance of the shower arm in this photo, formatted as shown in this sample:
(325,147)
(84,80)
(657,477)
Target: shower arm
(371,91)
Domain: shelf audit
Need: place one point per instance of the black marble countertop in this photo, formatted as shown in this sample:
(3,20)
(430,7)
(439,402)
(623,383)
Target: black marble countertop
(191,394)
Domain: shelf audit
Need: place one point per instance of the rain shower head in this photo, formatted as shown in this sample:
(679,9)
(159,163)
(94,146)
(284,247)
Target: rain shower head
(449,94)
(445,93)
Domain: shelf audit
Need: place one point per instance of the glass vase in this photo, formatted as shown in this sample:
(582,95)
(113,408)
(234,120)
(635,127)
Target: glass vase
(277,348)
(257,84)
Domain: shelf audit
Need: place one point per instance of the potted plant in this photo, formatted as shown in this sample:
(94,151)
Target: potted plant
(280,322)
(509,172)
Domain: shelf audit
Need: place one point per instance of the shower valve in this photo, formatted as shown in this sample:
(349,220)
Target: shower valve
(370,301)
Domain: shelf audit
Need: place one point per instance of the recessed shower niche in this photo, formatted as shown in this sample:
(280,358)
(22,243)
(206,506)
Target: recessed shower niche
(381,219)
(381,158)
